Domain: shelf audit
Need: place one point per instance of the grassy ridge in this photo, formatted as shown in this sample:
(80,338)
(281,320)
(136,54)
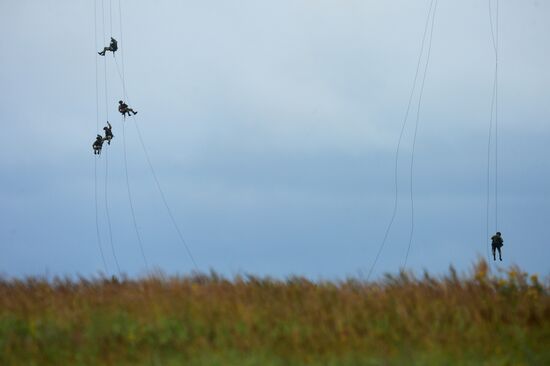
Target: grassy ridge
(210,320)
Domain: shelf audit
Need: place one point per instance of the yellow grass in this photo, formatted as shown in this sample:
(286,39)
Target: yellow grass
(210,320)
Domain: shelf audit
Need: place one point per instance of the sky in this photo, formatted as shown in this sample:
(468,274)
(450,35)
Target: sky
(272,130)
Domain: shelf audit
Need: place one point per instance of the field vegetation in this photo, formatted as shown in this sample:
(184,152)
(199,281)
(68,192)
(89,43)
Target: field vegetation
(475,319)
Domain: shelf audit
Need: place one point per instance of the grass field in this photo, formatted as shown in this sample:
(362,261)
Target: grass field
(479,319)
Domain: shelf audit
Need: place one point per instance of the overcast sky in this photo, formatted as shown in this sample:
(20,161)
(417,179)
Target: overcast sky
(272,128)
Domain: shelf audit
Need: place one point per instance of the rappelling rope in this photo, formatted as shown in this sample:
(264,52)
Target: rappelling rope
(105,62)
(98,232)
(151,168)
(121,50)
(140,241)
(107,213)
(108,216)
(487,236)
(421,93)
(168,210)
(496,118)
(130,198)
(405,118)
(111,17)
(493,117)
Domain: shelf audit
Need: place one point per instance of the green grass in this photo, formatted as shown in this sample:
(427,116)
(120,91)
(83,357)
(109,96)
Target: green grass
(481,319)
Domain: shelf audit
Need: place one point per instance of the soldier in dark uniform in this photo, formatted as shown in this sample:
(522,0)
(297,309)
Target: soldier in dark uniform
(108,133)
(113,47)
(497,243)
(123,108)
(98,144)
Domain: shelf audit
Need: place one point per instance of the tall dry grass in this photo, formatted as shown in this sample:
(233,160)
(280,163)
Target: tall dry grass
(480,318)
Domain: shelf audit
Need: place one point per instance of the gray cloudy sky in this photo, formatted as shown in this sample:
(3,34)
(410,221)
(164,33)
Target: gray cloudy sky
(272,128)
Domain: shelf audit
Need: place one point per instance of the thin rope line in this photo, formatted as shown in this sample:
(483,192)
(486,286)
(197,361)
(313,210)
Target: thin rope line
(111,17)
(96,69)
(174,222)
(489,144)
(106,155)
(105,63)
(493,117)
(107,213)
(488,190)
(121,50)
(413,88)
(496,118)
(492,26)
(165,202)
(494,108)
(415,132)
(121,77)
(106,93)
(98,232)
(97,220)
(140,242)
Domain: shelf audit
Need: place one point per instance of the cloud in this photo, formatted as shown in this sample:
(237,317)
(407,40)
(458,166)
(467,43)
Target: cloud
(272,128)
